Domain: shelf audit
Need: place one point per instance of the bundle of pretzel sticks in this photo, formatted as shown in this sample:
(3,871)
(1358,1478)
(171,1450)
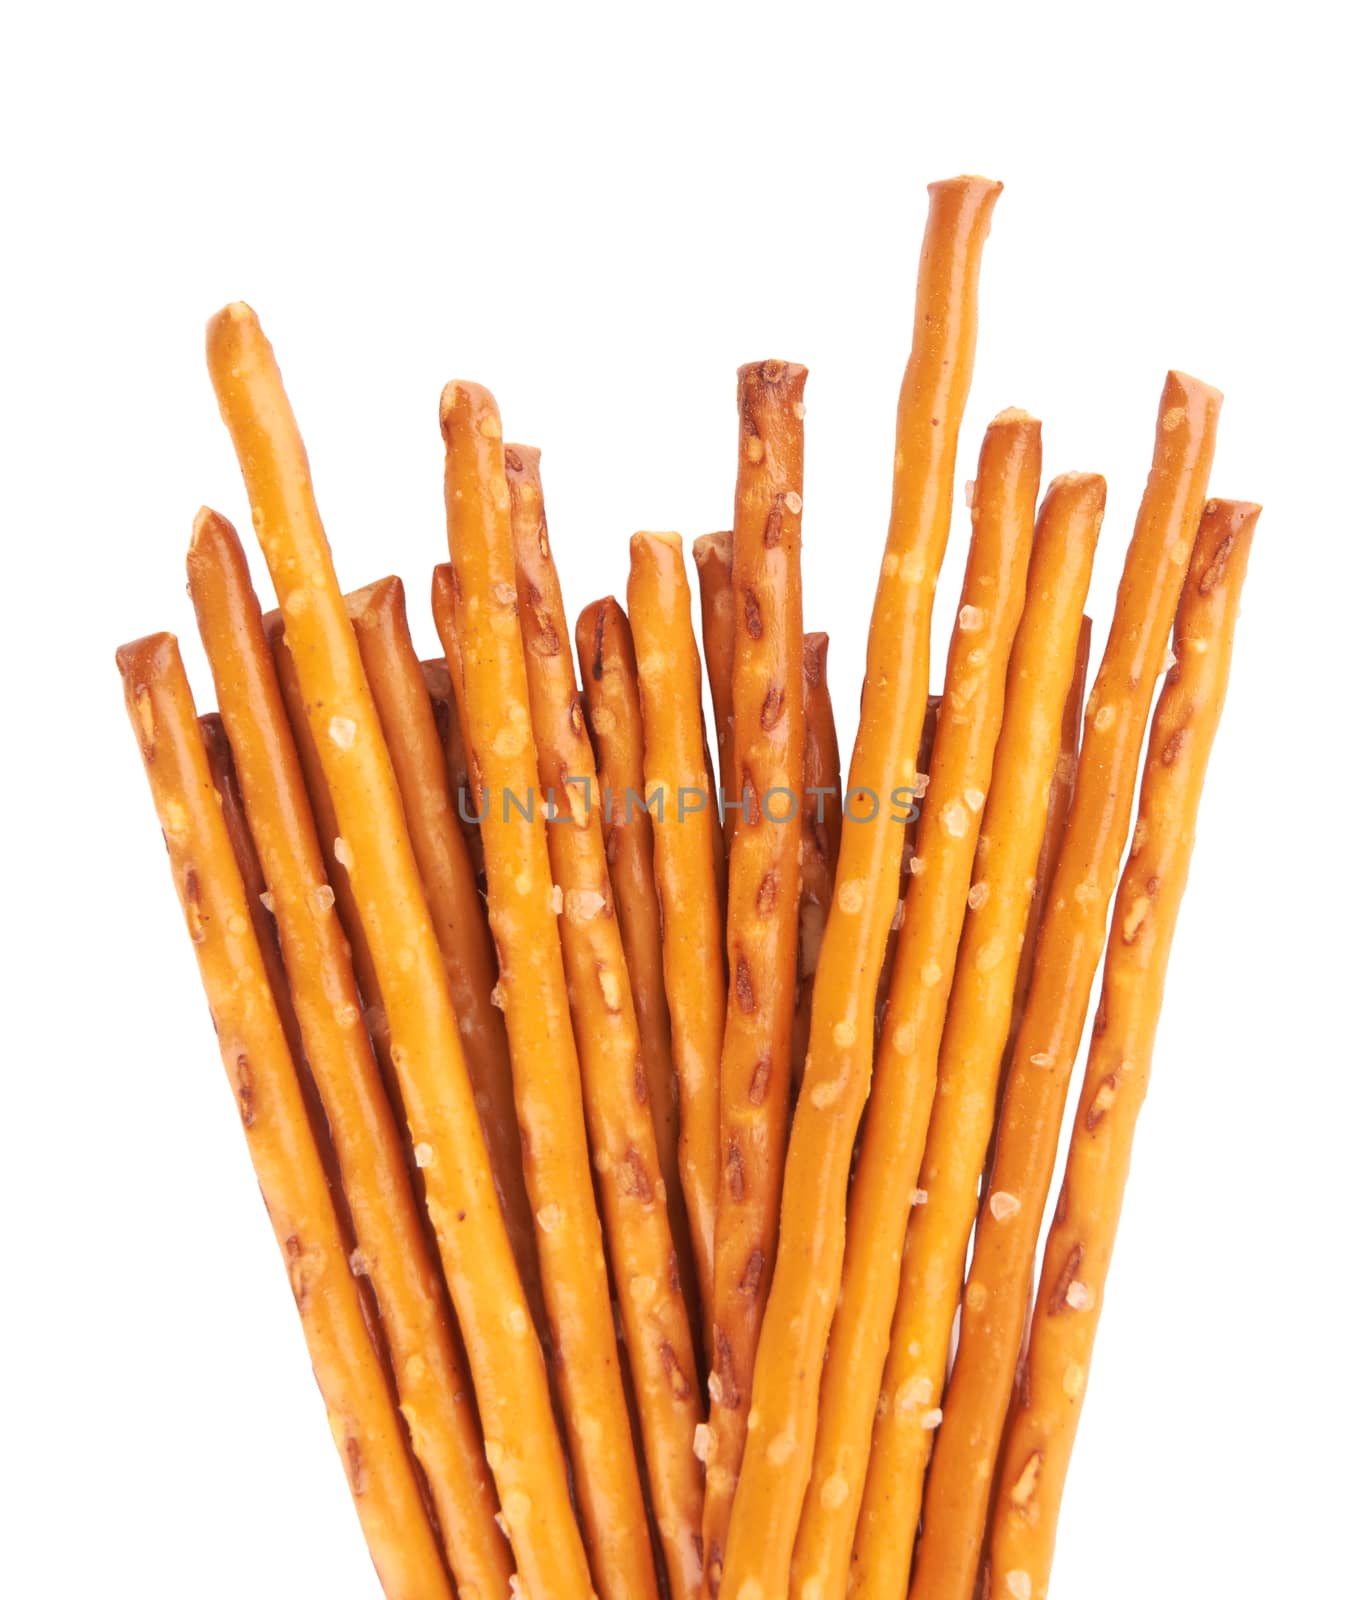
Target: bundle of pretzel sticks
(507,965)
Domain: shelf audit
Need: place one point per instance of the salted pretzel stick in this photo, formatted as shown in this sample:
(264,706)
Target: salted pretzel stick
(447,714)
(713,558)
(1046,1410)
(533,987)
(608,670)
(913,798)
(393,1252)
(1068,950)
(789,1362)
(449,886)
(656,1326)
(977,1023)
(1059,797)
(352,1379)
(691,927)
(821,820)
(896,1125)
(521,1441)
(225,775)
(763,906)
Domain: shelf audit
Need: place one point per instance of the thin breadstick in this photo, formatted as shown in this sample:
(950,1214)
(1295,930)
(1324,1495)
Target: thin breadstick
(447,714)
(908,856)
(656,1326)
(521,1441)
(775,1468)
(1026,761)
(393,1250)
(1061,793)
(449,886)
(763,906)
(352,1379)
(896,1124)
(713,557)
(691,926)
(821,817)
(608,670)
(532,984)
(1071,941)
(224,772)
(1046,1411)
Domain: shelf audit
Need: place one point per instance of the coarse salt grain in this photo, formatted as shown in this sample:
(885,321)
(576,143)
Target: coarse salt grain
(931,1419)
(1018,1584)
(979,893)
(1003,1205)
(423,1155)
(342,854)
(321,898)
(342,731)
(972,619)
(1079,1296)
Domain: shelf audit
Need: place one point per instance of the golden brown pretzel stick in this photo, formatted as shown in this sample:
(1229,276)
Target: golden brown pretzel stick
(521,1440)
(821,815)
(608,670)
(351,1376)
(977,1023)
(713,557)
(908,856)
(763,905)
(523,920)
(656,1326)
(789,1364)
(691,927)
(449,886)
(1046,1411)
(393,1251)
(447,714)
(219,753)
(1068,949)
(896,1125)
(1061,793)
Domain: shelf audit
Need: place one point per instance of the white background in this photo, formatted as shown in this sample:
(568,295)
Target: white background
(600,215)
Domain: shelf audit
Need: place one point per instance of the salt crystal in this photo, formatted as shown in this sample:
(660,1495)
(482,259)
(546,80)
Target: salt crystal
(972,619)
(931,1419)
(342,731)
(793,503)
(423,1155)
(1079,1296)
(342,854)
(979,893)
(1003,1205)
(321,898)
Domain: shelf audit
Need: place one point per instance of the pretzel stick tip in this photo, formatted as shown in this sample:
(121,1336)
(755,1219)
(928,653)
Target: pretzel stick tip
(1046,1408)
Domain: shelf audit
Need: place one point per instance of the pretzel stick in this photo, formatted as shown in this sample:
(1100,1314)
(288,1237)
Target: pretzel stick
(763,905)
(1043,1419)
(691,928)
(449,886)
(789,1362)
(1068,949)
(713,558)
(1026,761)
(908,855)
(656,1326)
(351,1376)
(521,1440)
(222,770)
(896,1125)
(393,1249)
(821,818)
(608,669)
(447,715)
(547,1073)
(1059,797)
